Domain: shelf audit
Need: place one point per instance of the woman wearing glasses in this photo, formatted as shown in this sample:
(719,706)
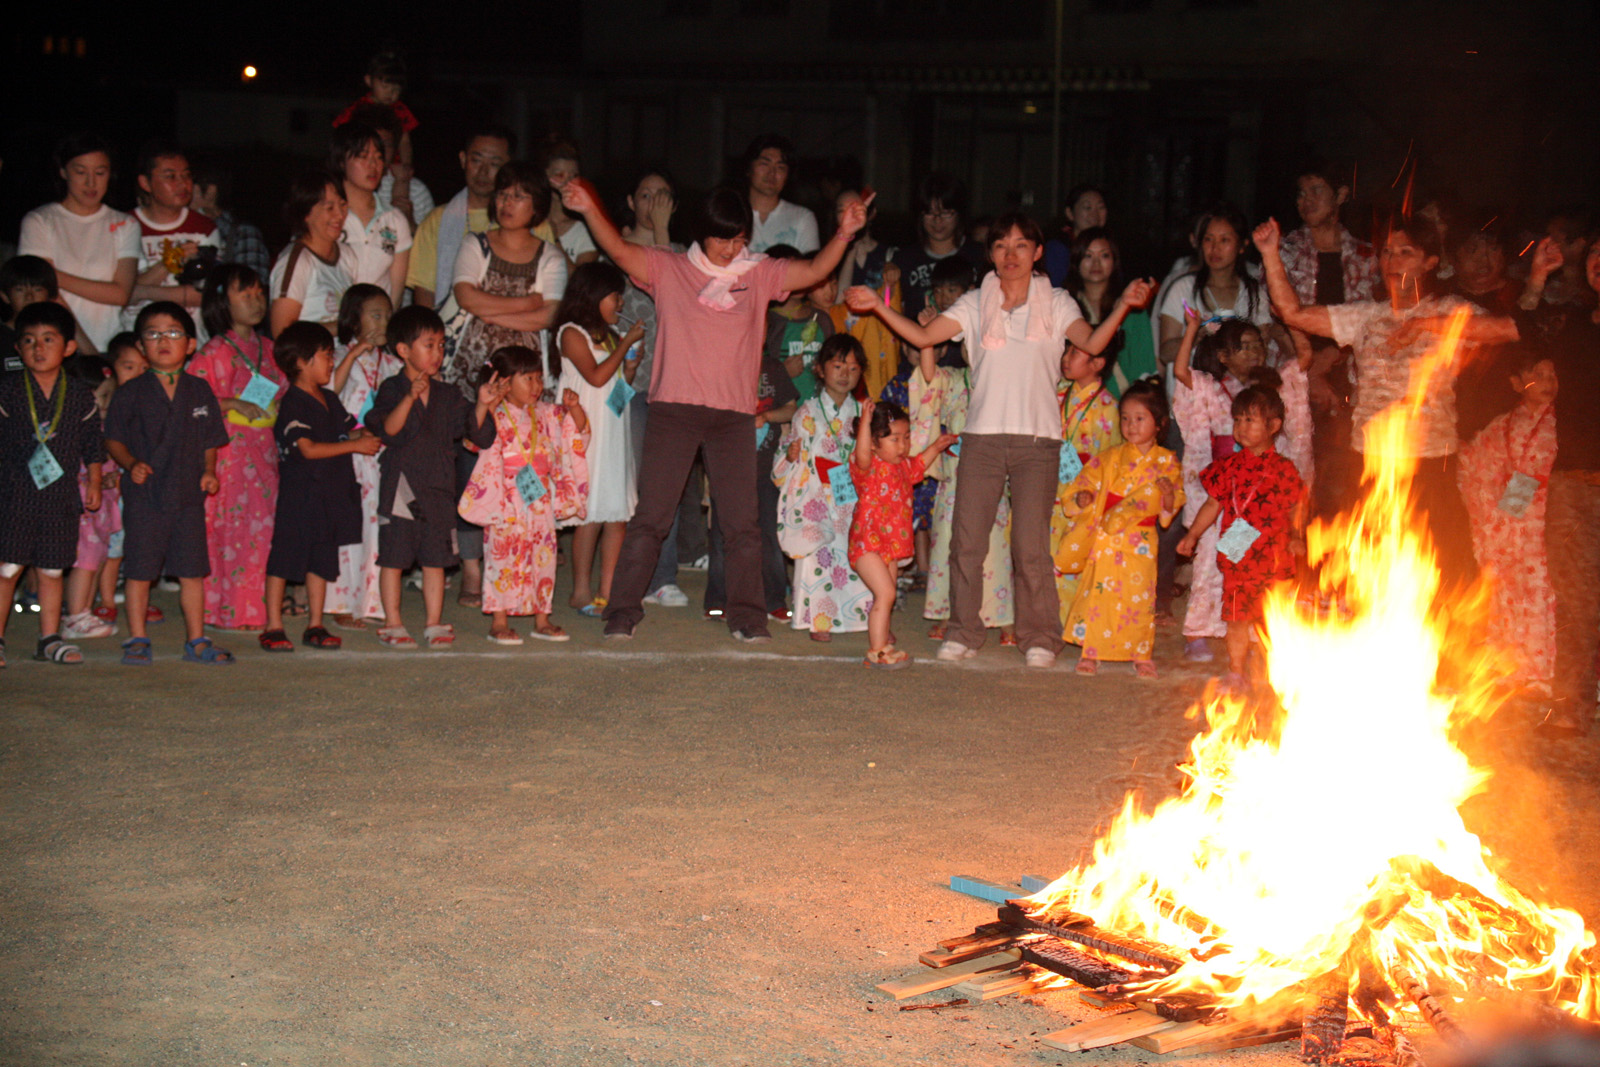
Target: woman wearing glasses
(941,223)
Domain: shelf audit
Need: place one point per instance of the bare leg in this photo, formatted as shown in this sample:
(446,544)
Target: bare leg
(922,541)
(471,577)
(274,605)
(316,596)
(80,591)
(389,592)
(108,582)
(8,589)
(1238,642)
(136,602)
(433,592)
(192,599)
(49,603)
(584,540)
(879,578)
(500,625)
(610,552)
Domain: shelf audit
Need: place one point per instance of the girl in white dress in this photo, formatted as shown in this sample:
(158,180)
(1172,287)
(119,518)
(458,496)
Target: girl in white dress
(602,367)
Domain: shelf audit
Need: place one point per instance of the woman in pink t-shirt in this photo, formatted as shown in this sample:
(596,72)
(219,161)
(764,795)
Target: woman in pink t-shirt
(711,310)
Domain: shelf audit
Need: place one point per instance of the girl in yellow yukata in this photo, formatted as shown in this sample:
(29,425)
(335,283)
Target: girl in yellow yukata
(1089,426)
(533,474)
(1117,500)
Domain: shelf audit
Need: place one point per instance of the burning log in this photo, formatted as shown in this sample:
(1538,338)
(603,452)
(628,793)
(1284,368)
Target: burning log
(1075,964)
(1327,1013)
(1134,949)
(1431,1007)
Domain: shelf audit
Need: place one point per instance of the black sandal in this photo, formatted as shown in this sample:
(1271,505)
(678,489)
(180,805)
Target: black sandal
(276,641)
(52,649)
(319,637)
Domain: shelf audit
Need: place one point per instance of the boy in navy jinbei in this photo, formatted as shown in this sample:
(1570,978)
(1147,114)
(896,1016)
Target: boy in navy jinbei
(164,428)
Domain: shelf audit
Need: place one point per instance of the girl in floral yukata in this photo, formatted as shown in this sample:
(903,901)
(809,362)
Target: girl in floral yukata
(1503,474)
(1117,500)
(1216,361)
(1089,426)
(813,525)
(534,474)
(1256,499)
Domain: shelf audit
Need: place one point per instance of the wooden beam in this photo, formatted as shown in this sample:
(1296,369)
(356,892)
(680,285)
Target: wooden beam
(1198,1037)
(945,957)
(1084,932)
(1109,1030)
(1327,1011)
(988,987)
(1431,1007)
(912,985)
(1074,963)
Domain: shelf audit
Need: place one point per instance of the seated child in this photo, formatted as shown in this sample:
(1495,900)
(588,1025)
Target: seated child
(419,426)
(1117,500)
(49,428)
(318,509)
(164,428)
(1257,495)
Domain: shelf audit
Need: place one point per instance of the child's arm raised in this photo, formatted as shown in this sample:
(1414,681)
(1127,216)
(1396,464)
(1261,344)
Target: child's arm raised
(480,430)
(579,198)
(862,301)
(576,351)
(1191,329)
(395,420)
(341,373)
(862,456)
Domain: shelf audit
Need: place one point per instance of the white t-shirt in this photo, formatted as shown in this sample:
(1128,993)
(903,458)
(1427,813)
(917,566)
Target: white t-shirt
(421,199)
(576,241)
(376,244)
(89,246)
(154,239)
(1181,289)
(317,284)
(1014,386)
(789,224)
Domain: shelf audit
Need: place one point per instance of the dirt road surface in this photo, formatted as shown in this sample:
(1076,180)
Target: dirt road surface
(675,851)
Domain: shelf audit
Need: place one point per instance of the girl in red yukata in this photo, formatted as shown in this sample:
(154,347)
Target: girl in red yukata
(1258,496)
(880,529)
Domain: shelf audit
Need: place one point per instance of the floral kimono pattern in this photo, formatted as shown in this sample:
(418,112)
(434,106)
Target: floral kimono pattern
(519,539)
(1511,547)
(1113,543)
(829,596)
(356,591)
(943,402)
(239,515)
(1205,419)
(1091,421)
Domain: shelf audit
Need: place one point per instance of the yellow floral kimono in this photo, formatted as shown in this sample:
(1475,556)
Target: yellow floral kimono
(1111,545)
(1089,418)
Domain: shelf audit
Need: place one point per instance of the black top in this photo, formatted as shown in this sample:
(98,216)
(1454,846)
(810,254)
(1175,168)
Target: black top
(774,389)
(171,435)
(76,440)
(1570,338)
(8,350)
(422,450)
(916,272)
(321,493)
(1330,278)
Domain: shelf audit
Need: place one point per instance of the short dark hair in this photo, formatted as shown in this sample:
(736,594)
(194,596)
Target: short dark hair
(410,323)
(490,129)
(1024,224)
(90,370)
(943,188)
(1480,225)
(953,270)
(1419,229)
(783,252)
(884,416)
(159,148)
(388,66)
(163,307)
(840,346)
(380,118)
(29,270)
(562,149)
(48,313)
(305,193)
(509,360)
(125,339)
(350,140)
(350,304)
(215,313)
(727,215)
(1261,396)
(759,144)
(210,172)
(78,144)
(1153,395)
(299,343)
(529,179)
(1081,190)
(1337,173)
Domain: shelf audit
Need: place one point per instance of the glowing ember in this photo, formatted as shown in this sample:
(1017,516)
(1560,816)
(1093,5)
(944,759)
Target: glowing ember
(1324,834)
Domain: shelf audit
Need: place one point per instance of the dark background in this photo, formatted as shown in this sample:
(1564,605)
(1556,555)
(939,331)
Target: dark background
(1170,104)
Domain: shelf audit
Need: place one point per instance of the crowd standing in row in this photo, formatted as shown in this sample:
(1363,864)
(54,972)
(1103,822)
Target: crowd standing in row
(412,387)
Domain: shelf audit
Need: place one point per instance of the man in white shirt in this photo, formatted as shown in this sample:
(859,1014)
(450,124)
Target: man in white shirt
(777,222)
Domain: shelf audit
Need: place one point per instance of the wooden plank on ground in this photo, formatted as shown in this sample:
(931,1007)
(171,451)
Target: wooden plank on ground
(1197,1037)
(1108,1030)
(944,957)
(912,985)
(983,889)
(988,987)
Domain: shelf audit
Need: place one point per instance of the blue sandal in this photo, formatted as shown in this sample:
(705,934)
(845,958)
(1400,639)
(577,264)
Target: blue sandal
(201,650)
(136,652)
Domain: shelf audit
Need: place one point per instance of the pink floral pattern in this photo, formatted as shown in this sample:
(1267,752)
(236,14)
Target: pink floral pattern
(239,516)
(96,529)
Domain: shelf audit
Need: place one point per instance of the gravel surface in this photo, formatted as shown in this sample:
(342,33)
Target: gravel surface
(673,851)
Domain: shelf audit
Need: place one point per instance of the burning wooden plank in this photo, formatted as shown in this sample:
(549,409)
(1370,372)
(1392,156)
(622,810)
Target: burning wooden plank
(1327,1013)
(1431,1007)
(1069,962)
(990,937)
(1133,949)
(1110,1030)
(913,985)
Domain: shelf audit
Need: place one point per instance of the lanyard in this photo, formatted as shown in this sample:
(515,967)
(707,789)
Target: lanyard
(1066,406)
(260,345)
(533,432)
(39,434)
(1238,509)
(1516,464)
(838,412)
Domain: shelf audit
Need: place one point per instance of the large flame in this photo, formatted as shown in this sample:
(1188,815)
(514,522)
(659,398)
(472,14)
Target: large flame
(1323,831)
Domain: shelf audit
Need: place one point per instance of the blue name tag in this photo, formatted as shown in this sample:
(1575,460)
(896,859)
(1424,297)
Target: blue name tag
(1070,464)
(261,391)
(761,434)
(43,468)
(621,393)
(1237,539)
(530,486)
(844,490)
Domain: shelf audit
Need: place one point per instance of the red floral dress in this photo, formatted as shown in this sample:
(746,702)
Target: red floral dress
(882,519)
(1263,490)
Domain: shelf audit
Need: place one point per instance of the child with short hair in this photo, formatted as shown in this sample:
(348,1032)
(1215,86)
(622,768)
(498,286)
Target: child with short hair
(100,550)
(164,429)
(385,79)
(318,507)
(1089,424)
(1504,472)
(363,361)
(533,474)
(1117,500)
(813,515)
(1257,546)
(177,246)
(24,280)
(239,366)
(880,529)
(419,425)
(49,427)
(796,328)
(97,528)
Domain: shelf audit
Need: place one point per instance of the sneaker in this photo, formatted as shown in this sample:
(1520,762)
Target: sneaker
(781,615)
(1197,650)
(668,596)
(713,613)
(108,614)
(1039,658)
(624,633)
(951,651)
(700,564)
(85,625)
(752,637)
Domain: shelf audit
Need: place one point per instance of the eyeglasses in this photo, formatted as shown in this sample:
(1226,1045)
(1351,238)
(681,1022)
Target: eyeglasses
(174,334)
(942,216)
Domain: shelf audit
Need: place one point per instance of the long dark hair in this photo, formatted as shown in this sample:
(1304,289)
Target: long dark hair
(588,285)
(1080,248)
(350,304)
(215,311)
(1202,273)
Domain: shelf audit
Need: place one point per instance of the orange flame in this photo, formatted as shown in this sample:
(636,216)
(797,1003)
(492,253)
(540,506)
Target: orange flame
(1325,831)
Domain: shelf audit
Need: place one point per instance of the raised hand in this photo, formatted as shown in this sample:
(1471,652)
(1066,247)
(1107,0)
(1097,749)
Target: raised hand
(855,216)
(419,386)
(1139,292)
(494,390)
(1547,259)
(861,300)
(577,198)
(1266,237)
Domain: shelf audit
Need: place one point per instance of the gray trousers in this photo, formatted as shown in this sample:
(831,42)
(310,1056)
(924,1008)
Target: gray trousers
(987,463)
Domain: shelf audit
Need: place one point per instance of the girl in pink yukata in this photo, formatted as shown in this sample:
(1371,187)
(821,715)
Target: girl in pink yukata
(534,474)
(237,363)
(1216,361)
(1503,474)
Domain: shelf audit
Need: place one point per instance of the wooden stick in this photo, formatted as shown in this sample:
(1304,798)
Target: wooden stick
(1198,1037)
(1431,1007)
(1073,963)
(944,957)
(1326,1013)
(1110,1030)
(1134,949)
(913,985)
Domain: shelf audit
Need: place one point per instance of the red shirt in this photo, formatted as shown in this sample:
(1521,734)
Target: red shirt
(882,519)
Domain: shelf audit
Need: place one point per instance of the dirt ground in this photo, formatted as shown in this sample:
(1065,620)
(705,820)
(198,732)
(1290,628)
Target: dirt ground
(675,851)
